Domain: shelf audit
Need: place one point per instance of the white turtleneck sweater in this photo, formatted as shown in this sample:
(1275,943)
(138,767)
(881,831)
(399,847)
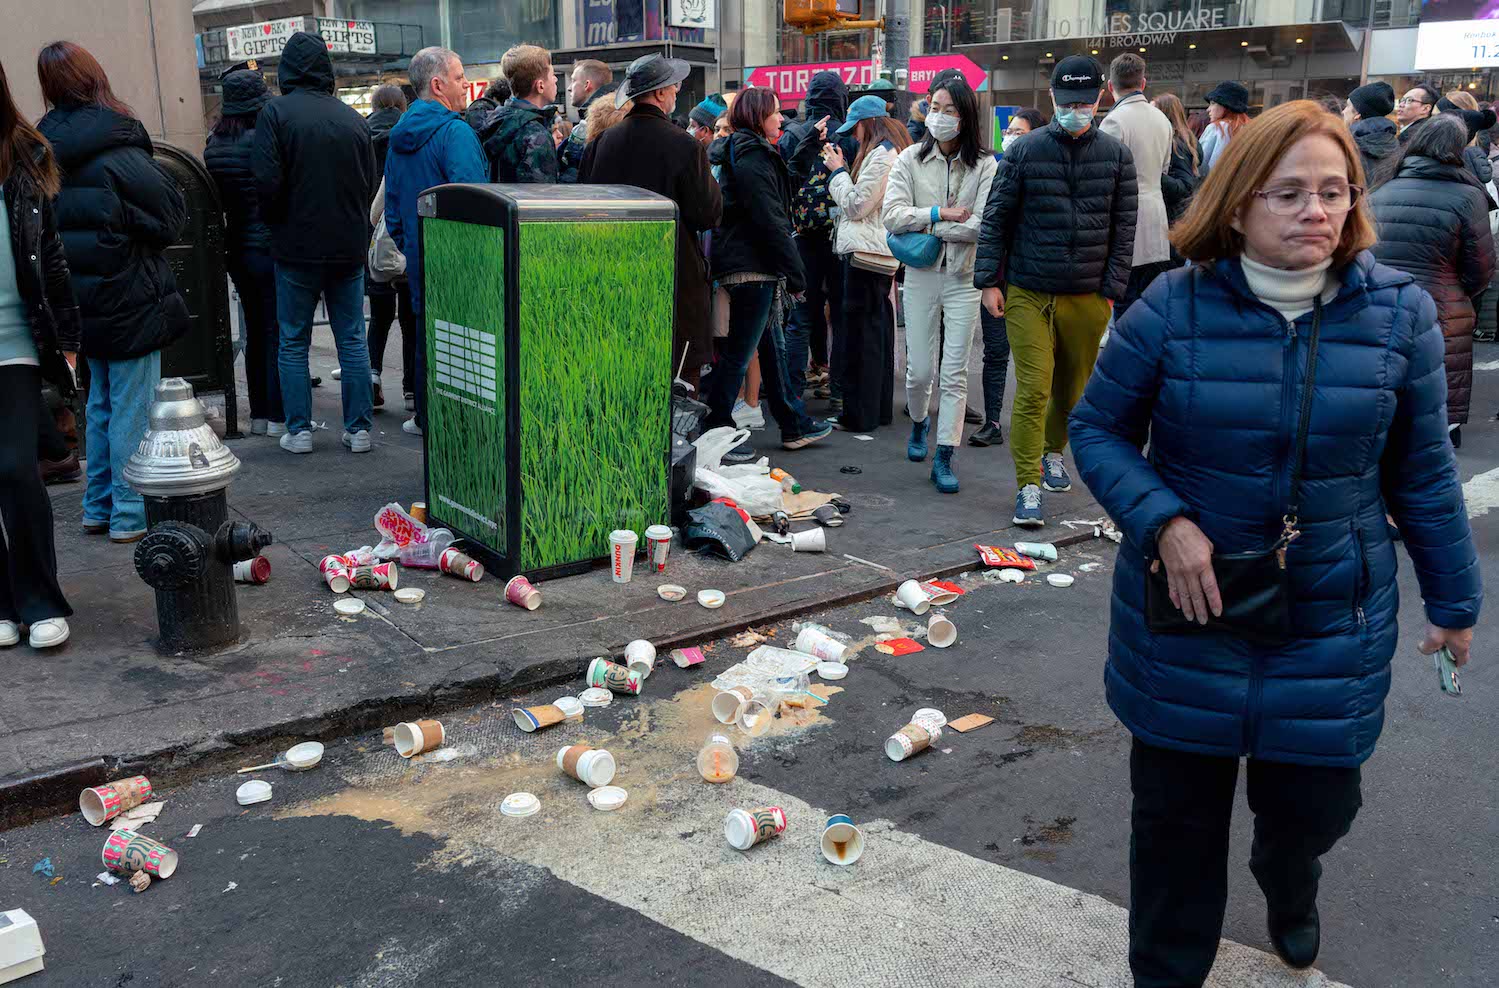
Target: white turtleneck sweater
(1291,293)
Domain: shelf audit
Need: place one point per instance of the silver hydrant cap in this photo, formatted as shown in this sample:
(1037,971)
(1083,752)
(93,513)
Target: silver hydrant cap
(180,453)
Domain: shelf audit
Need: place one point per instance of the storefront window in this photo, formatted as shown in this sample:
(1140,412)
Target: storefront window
(482,30)
(394,12)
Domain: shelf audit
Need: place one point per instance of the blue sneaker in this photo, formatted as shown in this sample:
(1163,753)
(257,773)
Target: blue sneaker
(1054,474)
(943,476)
(1028,507)
(820,430)
(916,445)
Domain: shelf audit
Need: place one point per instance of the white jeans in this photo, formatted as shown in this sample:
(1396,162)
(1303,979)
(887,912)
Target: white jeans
(942,310)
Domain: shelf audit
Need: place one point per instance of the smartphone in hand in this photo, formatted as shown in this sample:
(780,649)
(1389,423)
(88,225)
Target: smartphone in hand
(1447,672)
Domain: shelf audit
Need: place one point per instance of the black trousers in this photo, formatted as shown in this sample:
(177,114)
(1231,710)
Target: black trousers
(254,275)
(383,310)
(867,355)
(1178,851)
(1139,280)
(28,556)
(996,363)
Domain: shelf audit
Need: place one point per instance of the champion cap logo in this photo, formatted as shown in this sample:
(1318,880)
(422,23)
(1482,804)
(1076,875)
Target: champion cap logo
(1077,78)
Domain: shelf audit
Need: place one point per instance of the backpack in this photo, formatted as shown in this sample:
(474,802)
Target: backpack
(812,204)
(385,261)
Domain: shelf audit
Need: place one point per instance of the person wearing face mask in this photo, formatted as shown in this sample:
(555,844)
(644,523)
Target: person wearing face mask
(1147,133)
(1292,390)
(938,188)
(1059,233)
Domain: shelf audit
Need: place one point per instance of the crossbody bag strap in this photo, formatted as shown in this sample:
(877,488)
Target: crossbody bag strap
(1298,457)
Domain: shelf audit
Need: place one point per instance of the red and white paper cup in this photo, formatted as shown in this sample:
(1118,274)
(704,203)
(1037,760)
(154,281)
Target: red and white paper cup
(622,543)
(657,547)
(455,563)
(335,570)
(385,576)
(101,804)
(127,852)
(743,829)
(520,593)
(257,570)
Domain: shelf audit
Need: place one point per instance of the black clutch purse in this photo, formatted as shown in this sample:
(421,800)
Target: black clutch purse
(1254,586)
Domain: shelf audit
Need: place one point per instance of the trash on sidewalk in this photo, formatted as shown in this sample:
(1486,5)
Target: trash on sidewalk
(139,882)
(1090,567)
(999,556)
(842,842)
(571,707)
(711,599)
(900,646)
(349,606)
(419,511)
(748,639)
(686,658)
(607,798)
(410,595)
(622,544)
(230,887)
(106,878)
(657,548)
(1059,579)
(929,717)
(382,576)
(397,525)
(940,631)
(613,677)
(415,737)
(913,597)
(831,670)
(257,570)
(1005,576)
(127,852)
(44,866)
(297,758)
(820,645)
(595,697)
(910,740)
(1037,550)
(521,593)
(640,658)
(335,570)
(520,804)
(812,540)
(718,761)
(969,722)
(100,804)
(138,817)
(252,792)
(459,564)
(720,526)
(21,946)
(592,766)
(533,719)
(197,829)
(743,829)
(850,470)
(943,592)
(670,591)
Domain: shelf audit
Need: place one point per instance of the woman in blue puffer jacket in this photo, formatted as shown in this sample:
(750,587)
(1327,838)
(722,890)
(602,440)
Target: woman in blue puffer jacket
(1212,366)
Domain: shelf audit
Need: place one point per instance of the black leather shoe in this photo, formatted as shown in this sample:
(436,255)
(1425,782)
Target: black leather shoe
(971,416)
(1297,943)
(743,453)
(989,435)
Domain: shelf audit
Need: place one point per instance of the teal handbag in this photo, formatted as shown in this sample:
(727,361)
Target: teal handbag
(914,250)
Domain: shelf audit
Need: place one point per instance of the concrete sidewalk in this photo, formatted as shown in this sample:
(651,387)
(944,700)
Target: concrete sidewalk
(109,703)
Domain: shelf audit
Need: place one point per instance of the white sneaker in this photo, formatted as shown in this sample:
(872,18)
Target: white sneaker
(10,634)
(358,442)
(747,416)
(49,633)
(338,373)
(274,428)
(258,427)
(411,428)
(297,442)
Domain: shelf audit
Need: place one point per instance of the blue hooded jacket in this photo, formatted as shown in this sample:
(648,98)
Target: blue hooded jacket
(1216,377)
(430,145)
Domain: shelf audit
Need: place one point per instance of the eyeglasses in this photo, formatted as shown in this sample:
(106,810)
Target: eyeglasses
(1290,202)
(1407,101)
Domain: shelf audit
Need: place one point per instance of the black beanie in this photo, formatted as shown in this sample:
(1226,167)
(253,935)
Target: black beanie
(1377,99)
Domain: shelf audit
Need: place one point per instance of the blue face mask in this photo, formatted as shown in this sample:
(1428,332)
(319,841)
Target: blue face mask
(1075,121)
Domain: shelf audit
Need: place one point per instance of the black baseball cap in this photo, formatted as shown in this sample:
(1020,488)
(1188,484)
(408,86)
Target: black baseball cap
(1076,79)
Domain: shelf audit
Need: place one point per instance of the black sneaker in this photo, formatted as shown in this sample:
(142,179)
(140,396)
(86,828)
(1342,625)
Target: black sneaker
(820,430)
(743,453)
(989,435)
(971,417)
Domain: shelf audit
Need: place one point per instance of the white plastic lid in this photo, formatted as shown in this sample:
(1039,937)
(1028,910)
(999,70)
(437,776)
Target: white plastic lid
(410,595)
(1059,579)
(670,591)
(710,598)
(349,606)
(570,706)
(929,715)
(304,755)
(607,797)
(832,670)
(595,696)
(520,804)
(658,532)
(623,535)
(254,791)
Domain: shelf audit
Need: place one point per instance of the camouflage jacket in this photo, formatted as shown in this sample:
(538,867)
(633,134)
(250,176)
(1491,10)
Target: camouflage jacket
(518,140)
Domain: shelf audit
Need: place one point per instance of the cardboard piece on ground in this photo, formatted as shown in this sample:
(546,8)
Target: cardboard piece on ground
(900,646)
(138,817)
(969,722)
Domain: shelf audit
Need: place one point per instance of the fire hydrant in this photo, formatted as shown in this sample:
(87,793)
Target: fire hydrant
(188,555)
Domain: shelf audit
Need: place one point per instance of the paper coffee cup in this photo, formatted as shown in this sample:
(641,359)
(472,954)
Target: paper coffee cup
(419,510)
(455,563)
(127,852)
(614,677)
(909,740)
(101,804)
(571,707)
(912,596)
(726,704)
(335,570)
(812,540)
(622,554)
(657,547)
(842,842)
(520,593)
(937,595)
(414,737)
(822,645)
(591,766)
(532,719)
(385,576)
(335,562)
(940,631)
(743,829)
(257,570)
(640,657)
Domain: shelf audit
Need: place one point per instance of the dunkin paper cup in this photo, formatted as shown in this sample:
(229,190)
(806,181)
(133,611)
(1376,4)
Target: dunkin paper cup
(455,563)
(622,554)
(657,547)
(842,842)
(614,677)
(415,737)
(101,804)
(520,593)
(812,540)
(385,576)
(913,596)
(822,645)
(743,829)
(640,657)
(726,704)
(940,631)
(127,852)
(257,570)
(593,767)
(419,511)
(910,739)
(532,719)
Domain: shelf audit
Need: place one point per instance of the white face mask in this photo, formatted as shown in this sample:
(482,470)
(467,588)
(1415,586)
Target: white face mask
(942,126)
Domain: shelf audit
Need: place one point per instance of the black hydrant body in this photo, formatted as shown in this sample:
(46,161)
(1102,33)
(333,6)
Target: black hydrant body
(183,472)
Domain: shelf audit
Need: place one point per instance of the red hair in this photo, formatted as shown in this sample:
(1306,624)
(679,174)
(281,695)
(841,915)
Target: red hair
(70,76)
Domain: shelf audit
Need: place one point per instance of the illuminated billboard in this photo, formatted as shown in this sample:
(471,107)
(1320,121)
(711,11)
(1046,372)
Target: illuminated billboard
(1456,34)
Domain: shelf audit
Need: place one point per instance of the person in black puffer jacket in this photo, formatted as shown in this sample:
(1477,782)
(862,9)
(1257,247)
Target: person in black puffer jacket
(117,213)
(753,249)
(247,244)
(1367,114)
(1433,221)
(386,107)
(389,298)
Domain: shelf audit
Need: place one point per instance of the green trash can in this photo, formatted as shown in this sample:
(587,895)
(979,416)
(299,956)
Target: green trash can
(548,342)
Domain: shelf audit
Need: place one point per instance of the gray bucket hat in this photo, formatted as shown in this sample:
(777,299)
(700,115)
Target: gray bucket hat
(649,73)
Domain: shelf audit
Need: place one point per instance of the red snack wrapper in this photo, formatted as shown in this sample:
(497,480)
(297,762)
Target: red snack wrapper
(994,555)
(947,585)
(900,646)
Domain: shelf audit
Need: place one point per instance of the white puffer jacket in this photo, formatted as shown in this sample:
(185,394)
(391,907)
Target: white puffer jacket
(859,202)
(917,184)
